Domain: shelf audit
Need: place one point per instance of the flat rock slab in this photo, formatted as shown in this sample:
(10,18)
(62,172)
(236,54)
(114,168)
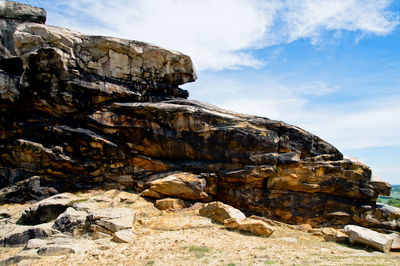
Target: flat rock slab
(219,212)
(172,223)
(361,235)
(124,236)
(110,213)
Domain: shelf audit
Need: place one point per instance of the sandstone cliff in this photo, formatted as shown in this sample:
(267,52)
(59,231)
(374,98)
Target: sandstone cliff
(82,111)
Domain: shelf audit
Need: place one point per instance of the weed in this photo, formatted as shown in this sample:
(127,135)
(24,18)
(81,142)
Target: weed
(150,262)
(199,251)
(76,201)
(231,264)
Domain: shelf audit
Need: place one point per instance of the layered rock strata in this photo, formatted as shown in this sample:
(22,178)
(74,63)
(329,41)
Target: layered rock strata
(82,111)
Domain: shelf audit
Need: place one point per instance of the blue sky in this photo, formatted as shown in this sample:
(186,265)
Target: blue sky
(330,67)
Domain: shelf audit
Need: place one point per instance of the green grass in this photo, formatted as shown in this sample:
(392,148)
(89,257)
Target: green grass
(199,251)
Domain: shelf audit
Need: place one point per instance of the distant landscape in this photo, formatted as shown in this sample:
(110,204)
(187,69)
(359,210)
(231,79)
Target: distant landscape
(393,199)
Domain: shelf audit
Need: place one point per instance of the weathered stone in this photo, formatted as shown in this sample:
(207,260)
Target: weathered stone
(47,209)
(26,190)
(9,87)
(22,12)
(179,184)
(35,243)
(396,240)
(170,204)
(117,224)
(110,213)
(19,234)
(219,212)
(358,234)
(124,236)
(70,219)
(331,234)
(85,111)
(256,227)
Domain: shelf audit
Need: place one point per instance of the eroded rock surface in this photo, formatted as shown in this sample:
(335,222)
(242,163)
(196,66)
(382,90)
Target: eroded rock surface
(84,111)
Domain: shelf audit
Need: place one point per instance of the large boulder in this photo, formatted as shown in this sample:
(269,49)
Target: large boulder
(85,111)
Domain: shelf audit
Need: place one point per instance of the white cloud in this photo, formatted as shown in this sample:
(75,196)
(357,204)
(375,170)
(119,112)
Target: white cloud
(219,34)
(308,18)
(357,124)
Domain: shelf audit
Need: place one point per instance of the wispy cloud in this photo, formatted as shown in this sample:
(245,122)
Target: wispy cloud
(219,34)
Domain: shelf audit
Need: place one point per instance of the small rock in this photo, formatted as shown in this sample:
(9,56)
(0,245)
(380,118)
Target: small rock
(124,236)
(256,227)
(169,203)
(331,234)
(177,184)
(368,237)
(117,224)
(231,223)
(219,212)
(35,243)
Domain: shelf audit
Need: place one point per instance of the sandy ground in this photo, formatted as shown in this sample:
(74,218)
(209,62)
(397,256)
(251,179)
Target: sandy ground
(172,244)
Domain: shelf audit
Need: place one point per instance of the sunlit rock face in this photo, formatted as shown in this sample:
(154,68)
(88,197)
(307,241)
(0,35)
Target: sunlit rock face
(82,111)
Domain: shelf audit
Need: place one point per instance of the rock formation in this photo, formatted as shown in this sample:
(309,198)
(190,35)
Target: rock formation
(82,111)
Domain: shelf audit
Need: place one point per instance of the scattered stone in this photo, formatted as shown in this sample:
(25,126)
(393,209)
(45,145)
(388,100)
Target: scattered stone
(358,234)
(124,236)
(20,234)
(256,227)
(219,212)
(47,209)
(170,204)
(331,234)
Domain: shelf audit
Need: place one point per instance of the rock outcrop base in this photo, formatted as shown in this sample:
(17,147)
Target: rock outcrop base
(82,111)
